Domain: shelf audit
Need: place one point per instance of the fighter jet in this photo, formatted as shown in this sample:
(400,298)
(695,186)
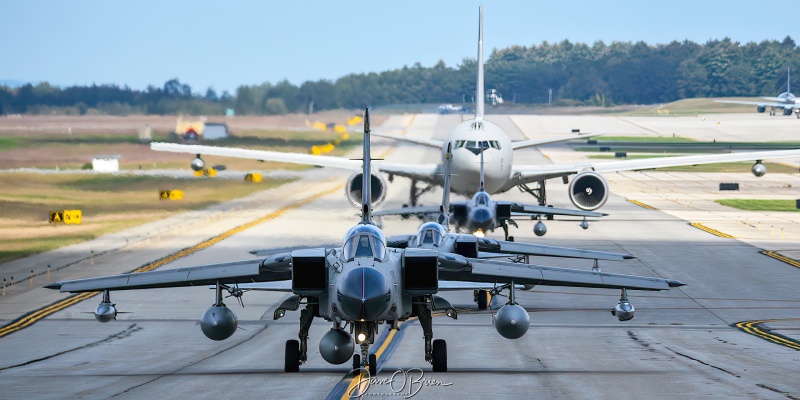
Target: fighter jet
(785,101)
(587,190)
(361,285)
(481,214)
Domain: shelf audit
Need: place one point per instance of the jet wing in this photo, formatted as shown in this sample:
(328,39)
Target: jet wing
(531,173)
(273,268)
(424,142)
(425,172)
(526,209)
(758,103)
(457,268)
(538,142)
(490,245)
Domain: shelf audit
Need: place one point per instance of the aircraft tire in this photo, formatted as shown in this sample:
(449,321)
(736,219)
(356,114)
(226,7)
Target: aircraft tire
(292,359)
(356,364)
(373,365)
(483,299)
(439,355)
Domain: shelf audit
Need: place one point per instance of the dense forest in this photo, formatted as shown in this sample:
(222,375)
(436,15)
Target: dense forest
(578,74)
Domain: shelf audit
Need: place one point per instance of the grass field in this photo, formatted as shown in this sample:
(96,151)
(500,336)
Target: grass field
(760,205)
(109,203)
(697,106)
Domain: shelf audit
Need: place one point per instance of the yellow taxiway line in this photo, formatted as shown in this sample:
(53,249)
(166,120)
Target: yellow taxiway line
(711,231)
(754,328)
(30,318)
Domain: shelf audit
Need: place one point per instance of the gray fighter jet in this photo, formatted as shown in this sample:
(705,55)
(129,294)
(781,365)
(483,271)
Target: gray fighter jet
(361,285)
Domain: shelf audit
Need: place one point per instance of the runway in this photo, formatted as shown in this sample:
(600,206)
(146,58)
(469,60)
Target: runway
(682,343)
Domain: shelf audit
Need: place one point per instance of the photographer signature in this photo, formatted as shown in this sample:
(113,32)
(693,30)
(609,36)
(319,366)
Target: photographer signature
(406,383)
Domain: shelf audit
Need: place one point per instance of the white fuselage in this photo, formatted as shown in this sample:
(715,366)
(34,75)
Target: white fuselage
(498,158)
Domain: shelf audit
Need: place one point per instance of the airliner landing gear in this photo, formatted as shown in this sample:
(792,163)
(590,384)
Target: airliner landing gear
(416,192)
(505,223)
(539,192)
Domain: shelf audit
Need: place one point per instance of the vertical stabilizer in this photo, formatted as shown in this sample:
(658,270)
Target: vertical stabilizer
(366,178)
(788,81)
(479,92)
(444,210)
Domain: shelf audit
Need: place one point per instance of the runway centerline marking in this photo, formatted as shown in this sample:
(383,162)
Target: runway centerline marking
(32,317)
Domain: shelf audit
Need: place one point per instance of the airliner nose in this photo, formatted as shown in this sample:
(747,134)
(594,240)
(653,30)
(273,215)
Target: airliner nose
(363,294)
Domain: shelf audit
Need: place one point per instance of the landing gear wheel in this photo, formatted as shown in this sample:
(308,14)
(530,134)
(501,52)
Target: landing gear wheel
(292,359)
(439,355)
(373,365)
(483,299)
(356,364)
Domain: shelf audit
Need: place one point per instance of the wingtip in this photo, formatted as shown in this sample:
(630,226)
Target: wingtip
(674,283)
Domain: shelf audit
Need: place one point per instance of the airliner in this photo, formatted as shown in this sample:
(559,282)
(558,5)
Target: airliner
(785,101)
(588,190)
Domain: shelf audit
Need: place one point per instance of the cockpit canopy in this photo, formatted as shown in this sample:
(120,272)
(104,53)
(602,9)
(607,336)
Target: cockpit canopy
(482,198)
(430,233)
(364,241)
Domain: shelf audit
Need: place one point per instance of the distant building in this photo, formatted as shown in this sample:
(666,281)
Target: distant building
(215,131)
(105,163)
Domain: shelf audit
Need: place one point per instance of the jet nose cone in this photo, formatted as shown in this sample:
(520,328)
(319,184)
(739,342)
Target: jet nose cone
(363,294)
(480,219)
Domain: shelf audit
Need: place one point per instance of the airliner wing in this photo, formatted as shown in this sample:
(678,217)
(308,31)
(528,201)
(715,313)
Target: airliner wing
(424,142)
(527,209)
(424,172)
(531,173)
(759,103)
(538,142)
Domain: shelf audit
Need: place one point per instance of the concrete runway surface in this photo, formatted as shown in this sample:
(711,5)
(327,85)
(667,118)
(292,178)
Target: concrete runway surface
(683,343)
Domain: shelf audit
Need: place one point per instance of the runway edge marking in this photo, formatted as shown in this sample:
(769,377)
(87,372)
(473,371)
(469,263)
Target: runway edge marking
(779,257)
(30,318)
(640,204)
(711,231)
(756,329)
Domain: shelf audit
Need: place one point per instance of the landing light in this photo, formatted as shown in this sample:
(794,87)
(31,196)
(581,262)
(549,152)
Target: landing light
(361,337)
(479,233)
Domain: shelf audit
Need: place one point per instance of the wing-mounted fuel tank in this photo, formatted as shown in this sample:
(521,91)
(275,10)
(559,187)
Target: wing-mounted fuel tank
(588,191)
(420,271)
(309,272)
(353,189)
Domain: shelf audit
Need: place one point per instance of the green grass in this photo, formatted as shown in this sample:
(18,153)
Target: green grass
(690,107)
(644,139)
(8,143)
(760,205)
(630,156)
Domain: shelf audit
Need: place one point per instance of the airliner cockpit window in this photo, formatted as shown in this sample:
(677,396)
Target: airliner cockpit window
(459,144)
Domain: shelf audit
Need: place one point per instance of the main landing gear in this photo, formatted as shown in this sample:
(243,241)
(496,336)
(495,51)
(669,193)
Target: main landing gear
(296,352)
(435,350)
(539,192)
(416,192)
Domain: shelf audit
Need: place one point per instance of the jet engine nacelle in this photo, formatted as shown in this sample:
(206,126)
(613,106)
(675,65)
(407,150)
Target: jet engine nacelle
(198,164)
(105,312)
(759,169)
(623,310)
(512,321)
(336,346)
(761,109)
(218,322)
(588,191)
(353,189)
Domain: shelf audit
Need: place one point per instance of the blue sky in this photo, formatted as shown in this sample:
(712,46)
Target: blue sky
(227,43)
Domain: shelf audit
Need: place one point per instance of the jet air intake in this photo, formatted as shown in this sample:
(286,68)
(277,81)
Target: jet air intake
(588,191)
(353,189)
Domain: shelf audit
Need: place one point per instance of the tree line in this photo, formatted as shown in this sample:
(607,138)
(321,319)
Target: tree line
(577,73)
